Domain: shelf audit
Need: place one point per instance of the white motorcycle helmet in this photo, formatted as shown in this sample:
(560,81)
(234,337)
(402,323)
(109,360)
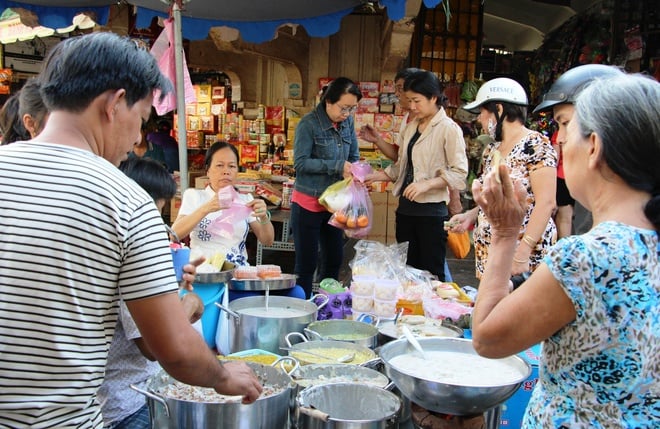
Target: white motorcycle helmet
(499,89)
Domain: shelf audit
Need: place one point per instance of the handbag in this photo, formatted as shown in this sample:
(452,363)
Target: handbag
(459,243)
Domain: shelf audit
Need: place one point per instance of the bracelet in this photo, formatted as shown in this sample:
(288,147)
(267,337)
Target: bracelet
(267,220)
(527,239)
(520,261)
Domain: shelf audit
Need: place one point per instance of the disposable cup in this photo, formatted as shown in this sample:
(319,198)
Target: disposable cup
(180,257)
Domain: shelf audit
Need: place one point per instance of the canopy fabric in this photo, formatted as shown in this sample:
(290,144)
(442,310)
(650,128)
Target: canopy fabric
(19,24)
(256,20)
(62,15)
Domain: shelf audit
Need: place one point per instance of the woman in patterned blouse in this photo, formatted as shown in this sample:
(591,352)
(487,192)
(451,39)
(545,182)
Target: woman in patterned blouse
(594,299)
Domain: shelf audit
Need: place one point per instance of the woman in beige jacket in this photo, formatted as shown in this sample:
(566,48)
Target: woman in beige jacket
(431,159)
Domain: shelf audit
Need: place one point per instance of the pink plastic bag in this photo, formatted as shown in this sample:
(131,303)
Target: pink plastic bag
(163,51)
(236,211)
(355,218)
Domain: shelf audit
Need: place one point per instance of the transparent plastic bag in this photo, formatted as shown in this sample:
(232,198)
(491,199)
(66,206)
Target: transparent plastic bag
(355,218)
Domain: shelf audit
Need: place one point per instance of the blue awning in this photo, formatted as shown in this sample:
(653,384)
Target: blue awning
(259,31)
(256,20)
(59,16)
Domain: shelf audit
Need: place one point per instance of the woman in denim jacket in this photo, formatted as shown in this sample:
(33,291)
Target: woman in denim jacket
(324,148)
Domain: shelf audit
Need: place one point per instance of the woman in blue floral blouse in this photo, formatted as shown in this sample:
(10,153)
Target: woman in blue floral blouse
(594,299)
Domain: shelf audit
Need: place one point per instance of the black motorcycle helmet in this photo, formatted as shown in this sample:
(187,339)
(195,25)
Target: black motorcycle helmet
(568,86)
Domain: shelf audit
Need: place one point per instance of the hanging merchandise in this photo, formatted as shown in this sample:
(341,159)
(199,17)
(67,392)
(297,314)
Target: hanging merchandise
(469,91)
(163,51)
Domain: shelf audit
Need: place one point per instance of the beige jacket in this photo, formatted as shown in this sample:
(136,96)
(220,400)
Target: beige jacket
(439,152)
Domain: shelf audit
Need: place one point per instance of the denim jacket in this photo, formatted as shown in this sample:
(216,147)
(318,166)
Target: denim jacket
(320,151)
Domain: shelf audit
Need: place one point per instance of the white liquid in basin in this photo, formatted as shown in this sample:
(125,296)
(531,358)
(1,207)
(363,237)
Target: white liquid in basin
(461,369)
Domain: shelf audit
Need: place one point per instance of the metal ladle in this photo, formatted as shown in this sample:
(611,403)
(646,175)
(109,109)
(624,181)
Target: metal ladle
(413,341)
(342,359)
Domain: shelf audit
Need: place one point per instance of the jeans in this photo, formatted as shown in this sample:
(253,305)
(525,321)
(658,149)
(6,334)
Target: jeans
(137,420)
(314,238)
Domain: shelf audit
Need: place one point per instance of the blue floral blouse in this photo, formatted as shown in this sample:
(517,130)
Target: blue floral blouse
(603,369)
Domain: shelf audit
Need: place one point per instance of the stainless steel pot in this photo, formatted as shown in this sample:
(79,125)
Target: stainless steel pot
(347,406)
(315,374)
(261,322)
(360,333)
(389,330)
(448,398)
(362,355)
(271,411)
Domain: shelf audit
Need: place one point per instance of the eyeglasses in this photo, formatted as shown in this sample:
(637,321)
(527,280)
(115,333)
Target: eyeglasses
(347,110)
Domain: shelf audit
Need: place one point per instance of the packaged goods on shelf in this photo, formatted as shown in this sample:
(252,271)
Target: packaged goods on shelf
(369,89)
(368,104)
(203,109)
(203,93)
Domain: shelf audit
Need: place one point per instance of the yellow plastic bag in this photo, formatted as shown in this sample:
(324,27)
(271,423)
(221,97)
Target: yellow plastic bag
(459,243)
(335,197)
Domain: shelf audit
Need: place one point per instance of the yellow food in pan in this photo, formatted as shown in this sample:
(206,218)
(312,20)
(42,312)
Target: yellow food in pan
(331,355)
(263,358)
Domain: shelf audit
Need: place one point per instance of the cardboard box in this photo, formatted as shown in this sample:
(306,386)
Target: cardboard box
(362,119)
(207,123)
(513,410)
(203,109)
(248,153)
(392,204)
(369,89)
(203,93)
(193,175)
(175,205)
(275,116)
(191,108)
(201,182)
(378,230)
(193,123)
(383,121)
(388,86)
(368,105)
(194,139)
(219,108)
(217,93)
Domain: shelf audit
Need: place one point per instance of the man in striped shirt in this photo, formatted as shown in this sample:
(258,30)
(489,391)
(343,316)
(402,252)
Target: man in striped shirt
(78,234)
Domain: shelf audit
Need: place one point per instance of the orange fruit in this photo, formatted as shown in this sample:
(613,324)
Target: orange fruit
(362,221)
(351,222)
(340,216)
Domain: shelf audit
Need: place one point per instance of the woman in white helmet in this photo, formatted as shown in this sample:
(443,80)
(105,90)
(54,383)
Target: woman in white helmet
(502,107)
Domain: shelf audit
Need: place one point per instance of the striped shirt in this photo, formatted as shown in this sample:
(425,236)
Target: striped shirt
(76,234)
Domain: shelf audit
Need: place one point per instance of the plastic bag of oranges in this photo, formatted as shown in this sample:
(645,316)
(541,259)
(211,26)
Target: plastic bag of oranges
(355,217)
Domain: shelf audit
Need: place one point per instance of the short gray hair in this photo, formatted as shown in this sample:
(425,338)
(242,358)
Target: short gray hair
(624,112)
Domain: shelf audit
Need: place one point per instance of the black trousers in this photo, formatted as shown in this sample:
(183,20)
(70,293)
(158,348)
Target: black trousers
(427,242)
